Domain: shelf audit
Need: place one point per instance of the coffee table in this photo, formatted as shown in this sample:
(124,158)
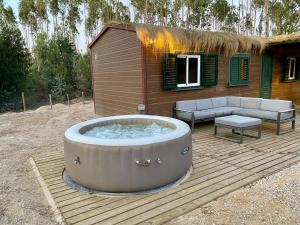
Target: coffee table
(239,123)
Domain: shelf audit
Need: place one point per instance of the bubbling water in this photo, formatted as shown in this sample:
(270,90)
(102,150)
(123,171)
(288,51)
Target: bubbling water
(128,131)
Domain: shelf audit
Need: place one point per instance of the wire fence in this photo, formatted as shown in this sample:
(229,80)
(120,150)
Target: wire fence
(25,103)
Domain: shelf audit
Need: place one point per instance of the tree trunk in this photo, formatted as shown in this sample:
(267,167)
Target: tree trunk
(266,6)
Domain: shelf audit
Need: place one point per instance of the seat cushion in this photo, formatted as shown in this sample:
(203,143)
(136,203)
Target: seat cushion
(262,114)
(250,103)
(189,105)
(199,115)
(233,101)
(222,111)
(275,105)
(238,121)
(202,104)
(219,102)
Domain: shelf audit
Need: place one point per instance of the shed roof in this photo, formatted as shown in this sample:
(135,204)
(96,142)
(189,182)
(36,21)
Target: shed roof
(168,39)
(285,39)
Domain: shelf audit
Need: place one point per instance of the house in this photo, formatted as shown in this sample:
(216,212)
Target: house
(157,66)
(283,58)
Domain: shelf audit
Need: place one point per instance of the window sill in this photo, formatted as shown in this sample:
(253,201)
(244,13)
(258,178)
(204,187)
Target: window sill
(237,85)
(188,88)
(289,81)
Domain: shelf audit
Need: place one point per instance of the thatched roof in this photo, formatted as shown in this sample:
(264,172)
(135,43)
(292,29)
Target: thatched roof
(166,39)
(285,39)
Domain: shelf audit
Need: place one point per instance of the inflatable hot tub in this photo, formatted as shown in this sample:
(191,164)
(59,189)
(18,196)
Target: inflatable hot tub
(148,152)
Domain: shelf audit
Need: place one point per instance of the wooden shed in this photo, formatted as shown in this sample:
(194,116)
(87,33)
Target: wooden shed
(156,66)
(283,56)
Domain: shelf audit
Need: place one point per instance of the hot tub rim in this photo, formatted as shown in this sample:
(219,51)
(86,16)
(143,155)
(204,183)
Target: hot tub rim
(73,133)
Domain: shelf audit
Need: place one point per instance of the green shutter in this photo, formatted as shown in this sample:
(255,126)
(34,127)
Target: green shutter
(285,69)
(239,69)
(209,70)
(169,71)
(234,71)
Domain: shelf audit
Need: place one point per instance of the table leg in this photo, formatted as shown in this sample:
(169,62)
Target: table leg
(259,131)
(216,130)
(241,135)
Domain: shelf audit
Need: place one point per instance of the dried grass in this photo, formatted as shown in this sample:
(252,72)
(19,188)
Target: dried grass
(166,39)
(286,38)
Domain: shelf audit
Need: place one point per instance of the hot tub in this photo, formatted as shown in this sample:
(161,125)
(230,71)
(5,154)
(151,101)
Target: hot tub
(126,163)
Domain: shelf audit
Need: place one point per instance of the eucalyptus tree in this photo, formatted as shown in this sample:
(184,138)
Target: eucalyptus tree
(27,16)
(42,15)
(73,17)
(174,8)
(200,14)
(54,10)
(284,15)
(259,5)
(220,9)
(7,14)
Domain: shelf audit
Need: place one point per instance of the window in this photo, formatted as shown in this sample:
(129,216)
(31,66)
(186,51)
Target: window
(188,70)
(292,68)
(239,70)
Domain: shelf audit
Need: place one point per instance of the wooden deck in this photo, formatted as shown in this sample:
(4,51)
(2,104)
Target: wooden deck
(220,167)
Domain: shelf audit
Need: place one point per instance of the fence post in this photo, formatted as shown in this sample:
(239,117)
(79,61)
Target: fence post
(68,100)
(82,94)
(24,102)
(50,99)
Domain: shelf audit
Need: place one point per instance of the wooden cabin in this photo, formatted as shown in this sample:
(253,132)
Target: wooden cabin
(283,57)
(157,66)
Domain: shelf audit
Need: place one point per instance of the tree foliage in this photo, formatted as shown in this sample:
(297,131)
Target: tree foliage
(14,64)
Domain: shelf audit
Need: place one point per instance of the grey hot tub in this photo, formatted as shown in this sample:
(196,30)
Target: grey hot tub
(127,165)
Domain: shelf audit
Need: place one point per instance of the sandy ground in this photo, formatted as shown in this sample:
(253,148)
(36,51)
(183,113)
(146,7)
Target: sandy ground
(274,200)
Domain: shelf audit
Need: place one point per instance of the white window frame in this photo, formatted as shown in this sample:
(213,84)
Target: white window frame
(292,71)
(187,84)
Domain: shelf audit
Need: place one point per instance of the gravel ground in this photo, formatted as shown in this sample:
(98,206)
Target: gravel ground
(269,201)
(22,135)
(274,200)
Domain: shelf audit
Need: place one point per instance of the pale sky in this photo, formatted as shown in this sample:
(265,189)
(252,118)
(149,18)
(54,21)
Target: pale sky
(81,36)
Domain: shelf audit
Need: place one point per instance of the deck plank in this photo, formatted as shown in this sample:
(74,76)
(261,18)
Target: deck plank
(219,167)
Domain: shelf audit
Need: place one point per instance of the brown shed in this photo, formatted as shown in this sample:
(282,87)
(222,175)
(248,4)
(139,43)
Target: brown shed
(284,51)
(156,66)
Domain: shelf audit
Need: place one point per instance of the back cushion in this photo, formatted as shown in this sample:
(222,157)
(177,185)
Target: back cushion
(233,101)
(189,105)
(275,105)
(204,104)
(250,103)
(219,102)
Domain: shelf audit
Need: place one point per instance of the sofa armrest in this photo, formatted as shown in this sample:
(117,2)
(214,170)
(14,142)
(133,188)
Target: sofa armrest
(186,111)
(293,110)
(182,110)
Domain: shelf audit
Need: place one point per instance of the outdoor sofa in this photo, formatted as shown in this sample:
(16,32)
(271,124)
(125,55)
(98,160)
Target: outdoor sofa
(269,110)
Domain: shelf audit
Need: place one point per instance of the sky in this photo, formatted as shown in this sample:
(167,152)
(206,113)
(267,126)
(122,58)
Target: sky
(82,45)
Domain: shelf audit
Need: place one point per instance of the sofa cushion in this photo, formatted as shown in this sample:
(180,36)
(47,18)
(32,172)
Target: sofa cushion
(222,111)
(189,105)
(219,102)
(233,101)
(262,114)
(202,104)
(250,103)
(275,105)
(199,115)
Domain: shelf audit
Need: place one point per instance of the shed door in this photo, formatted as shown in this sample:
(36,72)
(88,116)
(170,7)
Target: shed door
(266,77)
